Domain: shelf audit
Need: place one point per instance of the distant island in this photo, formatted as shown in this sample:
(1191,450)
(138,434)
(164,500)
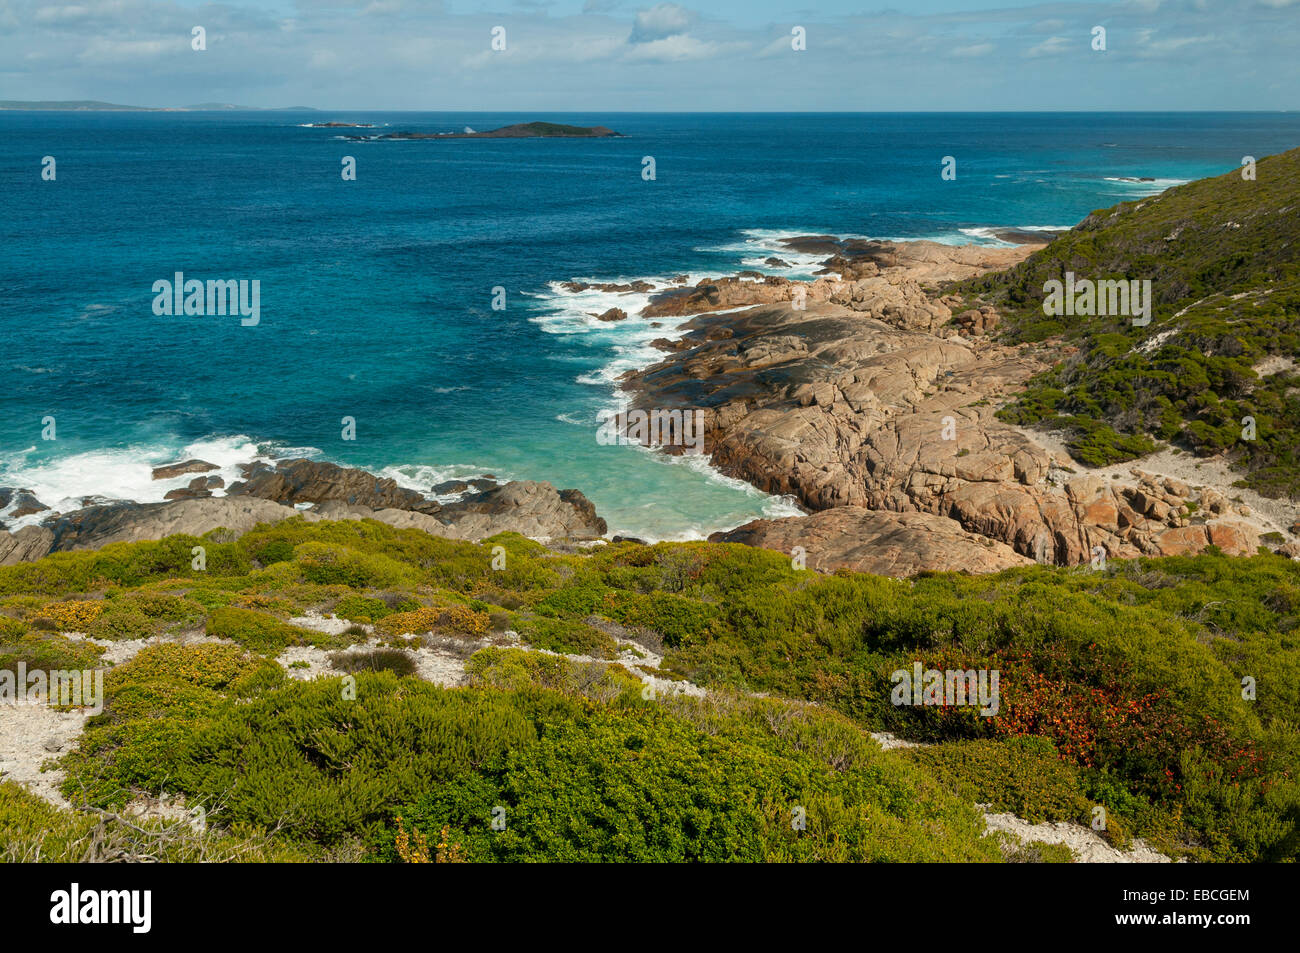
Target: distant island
(523,130)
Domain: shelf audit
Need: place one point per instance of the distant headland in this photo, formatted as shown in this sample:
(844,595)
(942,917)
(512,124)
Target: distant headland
(523,130)
(94,105)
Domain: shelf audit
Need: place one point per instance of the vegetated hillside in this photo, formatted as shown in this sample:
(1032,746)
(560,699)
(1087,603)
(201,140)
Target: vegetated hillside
(544,129)
(1223,256)
(1120,688)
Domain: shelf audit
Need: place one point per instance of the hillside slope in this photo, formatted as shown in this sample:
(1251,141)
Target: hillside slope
(705,693)
(1223,258)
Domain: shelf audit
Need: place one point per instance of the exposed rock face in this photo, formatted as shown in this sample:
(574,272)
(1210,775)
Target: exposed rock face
(449,487)
(199,488)
(310,481)
(98,526)
(533,509)
(608,286)
(28,543)
(171,470)
(718,294)
(875,396)
(537,510)
(613,314)
(883,280)
(19,503)
(876,541)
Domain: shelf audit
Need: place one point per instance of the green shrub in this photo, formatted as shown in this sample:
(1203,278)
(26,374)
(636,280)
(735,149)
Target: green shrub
(375,660)
(332,563)
(361,609)
(566,636)
(261,633)
(1022,776)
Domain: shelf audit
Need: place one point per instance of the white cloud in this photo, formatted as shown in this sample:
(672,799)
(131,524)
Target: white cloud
(674,48)
(661,22)
(1052,46)
(1175,43)
(104,50)
(976,49)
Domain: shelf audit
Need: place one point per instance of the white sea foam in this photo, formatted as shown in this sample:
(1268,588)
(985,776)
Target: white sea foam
(1128,188)
(625,346)
(124,473)
(422,477)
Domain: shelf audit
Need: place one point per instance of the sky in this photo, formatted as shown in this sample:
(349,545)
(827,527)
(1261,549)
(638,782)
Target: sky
(624,55)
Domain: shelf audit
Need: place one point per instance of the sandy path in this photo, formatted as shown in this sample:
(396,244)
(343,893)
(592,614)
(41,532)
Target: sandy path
(1197,472)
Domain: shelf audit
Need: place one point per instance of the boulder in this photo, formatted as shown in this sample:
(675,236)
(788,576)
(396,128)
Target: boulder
(25,545)
(878,541)
(19,503)
(172,470)
(310,481)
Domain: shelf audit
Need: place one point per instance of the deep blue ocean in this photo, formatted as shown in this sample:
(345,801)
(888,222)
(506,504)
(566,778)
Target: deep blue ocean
(376,293)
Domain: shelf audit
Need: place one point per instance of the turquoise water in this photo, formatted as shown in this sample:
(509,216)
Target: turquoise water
(376,294)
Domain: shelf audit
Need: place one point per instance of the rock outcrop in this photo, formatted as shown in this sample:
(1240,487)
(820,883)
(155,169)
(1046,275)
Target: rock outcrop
(172,470)
(536,510)
(875,396)
(271,493)
(98,526)
(25,545)
(310,481)
(16,504)
(888,281)
(877,541)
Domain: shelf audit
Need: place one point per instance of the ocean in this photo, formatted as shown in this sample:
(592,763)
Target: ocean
(376,294)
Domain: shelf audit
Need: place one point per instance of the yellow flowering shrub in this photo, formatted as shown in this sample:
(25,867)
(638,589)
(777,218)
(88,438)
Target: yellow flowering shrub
(75,616)
(210,665)
(461,619)
(464,619)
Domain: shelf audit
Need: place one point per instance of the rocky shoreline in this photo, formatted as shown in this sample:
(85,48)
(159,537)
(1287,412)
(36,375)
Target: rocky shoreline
(869,395)
(313,490)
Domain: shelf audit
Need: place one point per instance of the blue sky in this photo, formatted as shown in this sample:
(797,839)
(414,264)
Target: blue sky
(611,55)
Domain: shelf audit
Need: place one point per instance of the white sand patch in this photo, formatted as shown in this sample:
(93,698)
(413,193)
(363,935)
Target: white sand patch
(890,742)
(328,624)
(1263,514)
(442,662)
(31,735)
(1275,364)
(1155,341)
(1086,844)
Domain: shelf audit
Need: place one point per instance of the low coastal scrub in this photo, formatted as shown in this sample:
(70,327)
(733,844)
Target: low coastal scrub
(32,830)
(46,651)
(1214,371)
(1162,690)
(376,660)
(1023,776)
(573,778)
